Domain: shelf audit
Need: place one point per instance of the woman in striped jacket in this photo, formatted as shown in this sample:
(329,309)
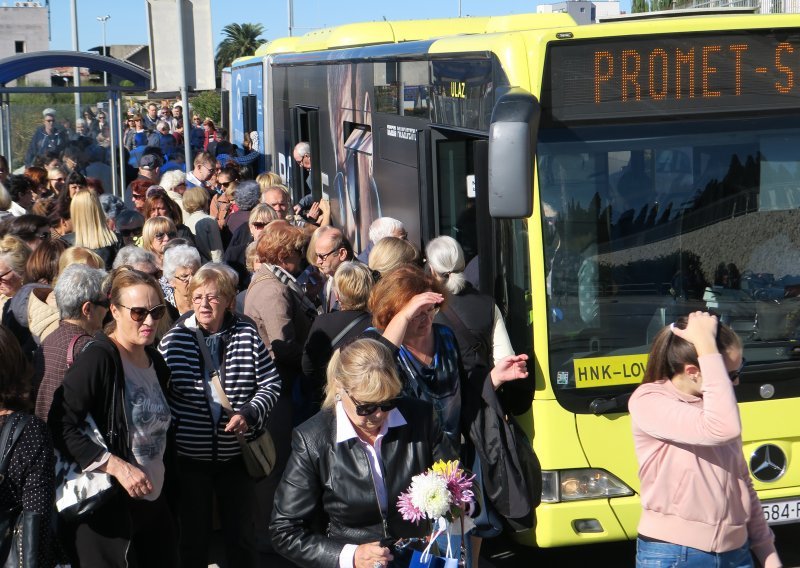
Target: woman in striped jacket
(209,454)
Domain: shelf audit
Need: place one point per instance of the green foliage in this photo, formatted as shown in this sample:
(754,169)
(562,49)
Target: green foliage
(240,40)
(207,104)
(661,5)
(639,6)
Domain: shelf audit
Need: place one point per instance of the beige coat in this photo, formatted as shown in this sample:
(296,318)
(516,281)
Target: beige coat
(281,320)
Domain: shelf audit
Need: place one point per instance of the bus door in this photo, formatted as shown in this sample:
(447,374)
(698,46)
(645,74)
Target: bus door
(305,128)
(458,205)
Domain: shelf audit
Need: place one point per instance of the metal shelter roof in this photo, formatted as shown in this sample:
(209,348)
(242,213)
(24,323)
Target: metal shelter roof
(16,66)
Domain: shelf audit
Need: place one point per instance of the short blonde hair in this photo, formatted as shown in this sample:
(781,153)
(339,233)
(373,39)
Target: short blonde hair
(390,253)
(366,370)
(268,179)
(195,199)
(14,252)
(80,255)
(263,213)
(220,274)
(353,283)
(155,225)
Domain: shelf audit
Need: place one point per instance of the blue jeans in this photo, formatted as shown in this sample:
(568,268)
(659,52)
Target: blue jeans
(665,555)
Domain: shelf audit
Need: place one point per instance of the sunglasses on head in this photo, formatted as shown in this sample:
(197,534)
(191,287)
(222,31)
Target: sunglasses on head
(367,408)
(139,314)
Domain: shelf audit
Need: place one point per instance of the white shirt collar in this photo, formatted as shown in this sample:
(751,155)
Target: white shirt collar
(346,431)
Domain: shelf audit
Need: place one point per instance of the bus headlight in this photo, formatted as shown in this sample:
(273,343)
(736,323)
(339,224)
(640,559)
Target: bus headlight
(576,484)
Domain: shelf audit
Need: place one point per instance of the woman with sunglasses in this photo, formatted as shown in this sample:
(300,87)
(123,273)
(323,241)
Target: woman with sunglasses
(209,454)
(156,233)
(119,379)
(699,507)
(361,414)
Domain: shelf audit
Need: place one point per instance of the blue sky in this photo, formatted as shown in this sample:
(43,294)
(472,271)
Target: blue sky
(127,23)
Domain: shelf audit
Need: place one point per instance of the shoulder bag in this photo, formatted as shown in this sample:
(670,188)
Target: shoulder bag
(79,493)
(259,455)
(18,528)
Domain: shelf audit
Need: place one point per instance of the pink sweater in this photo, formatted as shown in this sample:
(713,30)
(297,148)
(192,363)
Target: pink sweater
(695,486)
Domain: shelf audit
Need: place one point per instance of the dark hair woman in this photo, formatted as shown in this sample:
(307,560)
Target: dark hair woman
(119,381)
(698,501)
(29,482)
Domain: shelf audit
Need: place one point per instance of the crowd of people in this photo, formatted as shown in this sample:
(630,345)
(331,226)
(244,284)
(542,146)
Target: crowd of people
(155,337)
(181,321)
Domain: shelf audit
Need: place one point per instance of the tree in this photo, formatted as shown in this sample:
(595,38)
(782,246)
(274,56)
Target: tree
(240,40)
(207,104)
(639,6)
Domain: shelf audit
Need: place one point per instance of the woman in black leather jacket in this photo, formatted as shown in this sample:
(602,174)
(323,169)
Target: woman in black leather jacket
(338,497)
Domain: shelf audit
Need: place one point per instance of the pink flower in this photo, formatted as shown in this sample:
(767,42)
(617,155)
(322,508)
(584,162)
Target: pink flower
(407,509)
(458,483)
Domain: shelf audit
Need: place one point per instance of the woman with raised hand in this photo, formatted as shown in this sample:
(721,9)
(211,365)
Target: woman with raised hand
(699,507)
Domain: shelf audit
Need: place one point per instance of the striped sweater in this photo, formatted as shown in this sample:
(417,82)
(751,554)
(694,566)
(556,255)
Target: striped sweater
(248,377)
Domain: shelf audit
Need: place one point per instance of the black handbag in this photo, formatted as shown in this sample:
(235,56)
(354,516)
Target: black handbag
(18,529)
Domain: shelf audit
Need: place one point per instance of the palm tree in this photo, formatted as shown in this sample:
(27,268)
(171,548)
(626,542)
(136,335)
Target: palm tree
(240,40)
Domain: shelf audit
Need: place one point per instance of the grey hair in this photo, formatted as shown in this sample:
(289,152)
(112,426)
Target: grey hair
(247,194)
(384,227)
(77,285)
(446,259)
(178,257)
(132,255)
(172,179)
(303,148)
(161,124)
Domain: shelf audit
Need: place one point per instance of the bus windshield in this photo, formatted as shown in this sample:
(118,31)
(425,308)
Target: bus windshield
(646,222)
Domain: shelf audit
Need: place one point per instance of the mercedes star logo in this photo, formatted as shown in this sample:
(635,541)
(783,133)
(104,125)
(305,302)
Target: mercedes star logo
(768,463)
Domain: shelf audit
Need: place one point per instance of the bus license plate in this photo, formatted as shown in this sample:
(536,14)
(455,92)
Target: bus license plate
(780,512)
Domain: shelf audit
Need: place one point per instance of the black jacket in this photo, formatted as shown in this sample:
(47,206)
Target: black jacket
(324,479)
(89,388)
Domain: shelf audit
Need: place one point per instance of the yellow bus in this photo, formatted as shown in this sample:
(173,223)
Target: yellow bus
(602,180)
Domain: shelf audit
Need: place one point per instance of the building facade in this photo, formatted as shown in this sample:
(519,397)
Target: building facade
(24,29)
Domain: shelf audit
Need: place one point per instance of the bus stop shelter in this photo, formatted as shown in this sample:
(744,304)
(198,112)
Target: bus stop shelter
(17,66)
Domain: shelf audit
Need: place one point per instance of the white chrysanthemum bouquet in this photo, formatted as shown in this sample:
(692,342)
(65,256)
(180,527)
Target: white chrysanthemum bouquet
(440,495)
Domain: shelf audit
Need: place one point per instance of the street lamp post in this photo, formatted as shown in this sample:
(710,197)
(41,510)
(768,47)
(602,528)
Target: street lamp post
(103,20)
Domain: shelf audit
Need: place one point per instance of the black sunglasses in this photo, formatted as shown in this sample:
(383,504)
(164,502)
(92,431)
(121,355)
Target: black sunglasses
(131,232)
(367,408)
(170,234)
(139,314)
(734,375)
(258,225)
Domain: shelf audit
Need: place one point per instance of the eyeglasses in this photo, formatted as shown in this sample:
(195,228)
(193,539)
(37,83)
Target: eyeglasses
(206,166)
(170,234)
(367,408)
(139,196)
(300,161)
(104,303)
(185,278)
(324,257)
(211,299)
(3,278)
(225,183)
(58,179)
(140,314)
(734,375)
(259,225)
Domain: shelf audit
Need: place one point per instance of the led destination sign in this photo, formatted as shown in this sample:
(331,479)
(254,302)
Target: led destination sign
(646,76)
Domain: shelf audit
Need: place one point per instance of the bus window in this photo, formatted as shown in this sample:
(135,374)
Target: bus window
(645,222)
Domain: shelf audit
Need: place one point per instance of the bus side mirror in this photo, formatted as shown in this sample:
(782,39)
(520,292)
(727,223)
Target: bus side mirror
(512,150)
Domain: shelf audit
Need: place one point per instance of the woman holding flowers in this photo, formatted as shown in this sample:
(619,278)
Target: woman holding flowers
(351,462)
